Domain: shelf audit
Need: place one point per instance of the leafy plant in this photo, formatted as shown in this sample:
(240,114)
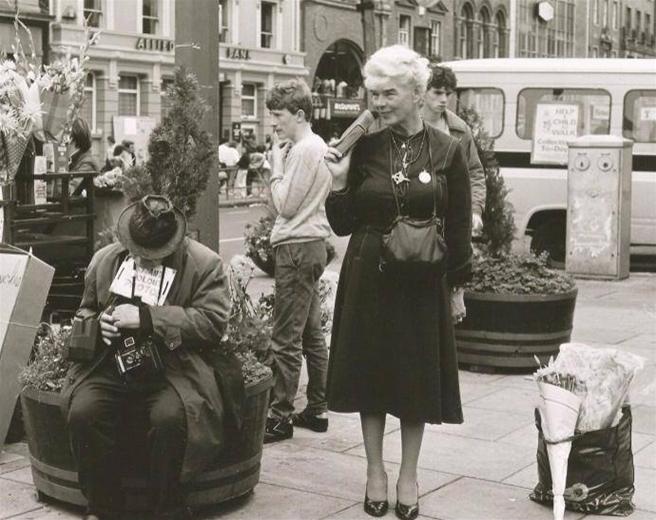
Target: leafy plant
(47,368)
(518,274)
(181,152)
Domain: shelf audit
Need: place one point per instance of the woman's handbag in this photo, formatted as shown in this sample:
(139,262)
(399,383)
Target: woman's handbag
(412,240)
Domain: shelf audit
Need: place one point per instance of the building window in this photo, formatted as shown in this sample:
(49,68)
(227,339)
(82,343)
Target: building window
(93,12)
(88,108)
(149,17)
(224,35)
(404,30)
(267,16)
(488,103)
(249,100)
(604,14)
(499,50)
(638,23)
(128,96)
(165,98)
(628,20)
(422,41)
(616,15)
(436,37)
(466,32)
(595,12)
(484,34)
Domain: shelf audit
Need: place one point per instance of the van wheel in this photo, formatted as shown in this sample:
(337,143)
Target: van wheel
(550,237)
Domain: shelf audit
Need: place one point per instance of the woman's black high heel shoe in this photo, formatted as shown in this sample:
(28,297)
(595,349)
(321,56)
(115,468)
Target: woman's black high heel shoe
(405,512)
(375,507)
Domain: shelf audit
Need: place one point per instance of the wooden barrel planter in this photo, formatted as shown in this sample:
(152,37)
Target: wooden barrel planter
(505,331)
(233,474)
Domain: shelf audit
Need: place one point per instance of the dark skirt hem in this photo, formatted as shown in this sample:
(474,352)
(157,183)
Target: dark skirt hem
(394,413)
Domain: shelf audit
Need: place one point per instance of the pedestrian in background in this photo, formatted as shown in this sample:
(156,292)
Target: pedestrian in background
(300,182)
(228,158)
(441,86)
(393,347)
(81,159)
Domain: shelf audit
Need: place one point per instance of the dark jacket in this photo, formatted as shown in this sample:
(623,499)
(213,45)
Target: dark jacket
(459,129)
(192,321)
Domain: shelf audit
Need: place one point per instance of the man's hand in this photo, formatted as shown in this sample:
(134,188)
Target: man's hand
(477,225)
(126,316)
(458,310)
(338,165)
(108,330)
(278,151)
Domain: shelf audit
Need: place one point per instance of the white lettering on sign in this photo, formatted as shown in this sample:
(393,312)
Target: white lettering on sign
(348,107)
(153,44)
(554,125)
(123,281)
(238,54)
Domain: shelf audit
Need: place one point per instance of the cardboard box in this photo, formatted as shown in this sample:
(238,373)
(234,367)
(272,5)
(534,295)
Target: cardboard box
(24,284)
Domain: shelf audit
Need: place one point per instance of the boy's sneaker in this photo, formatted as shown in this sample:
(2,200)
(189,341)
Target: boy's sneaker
(278,430)
(316,423)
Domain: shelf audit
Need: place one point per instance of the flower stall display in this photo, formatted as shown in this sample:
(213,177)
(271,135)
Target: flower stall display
(37,100)
(585,430)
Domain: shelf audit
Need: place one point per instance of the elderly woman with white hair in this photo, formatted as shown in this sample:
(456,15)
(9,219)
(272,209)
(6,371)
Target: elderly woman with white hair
(393,347)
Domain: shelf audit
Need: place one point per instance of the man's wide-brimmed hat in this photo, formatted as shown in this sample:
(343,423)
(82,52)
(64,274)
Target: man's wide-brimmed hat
(151,228)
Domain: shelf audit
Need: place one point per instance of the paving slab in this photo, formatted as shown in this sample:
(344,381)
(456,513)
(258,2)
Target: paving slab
(644,419)
(17,498)
(23,475)
(470,390)
(473,499)
(330,474)
(645,484)
(344,432)
(48,513)
(518,400)
(461,456)
(356,512)
(525,478)
(484,424)
(272,502)
(645,457)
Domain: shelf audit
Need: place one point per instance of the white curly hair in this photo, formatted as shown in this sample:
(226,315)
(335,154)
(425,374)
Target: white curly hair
(400,63)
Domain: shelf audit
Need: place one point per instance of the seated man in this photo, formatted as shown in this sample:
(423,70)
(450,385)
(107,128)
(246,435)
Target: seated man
(153,287)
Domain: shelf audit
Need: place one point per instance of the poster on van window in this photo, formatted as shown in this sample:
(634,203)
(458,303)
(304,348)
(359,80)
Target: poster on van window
(555,124)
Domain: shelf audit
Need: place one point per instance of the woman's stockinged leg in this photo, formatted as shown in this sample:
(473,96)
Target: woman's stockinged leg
(411,436)
(373,429)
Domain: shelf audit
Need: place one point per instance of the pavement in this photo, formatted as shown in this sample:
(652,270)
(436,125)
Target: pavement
(483,469)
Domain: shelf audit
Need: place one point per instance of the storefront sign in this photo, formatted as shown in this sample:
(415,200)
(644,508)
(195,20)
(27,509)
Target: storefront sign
(152,44)
(346,107)
(555,124)
(238,54)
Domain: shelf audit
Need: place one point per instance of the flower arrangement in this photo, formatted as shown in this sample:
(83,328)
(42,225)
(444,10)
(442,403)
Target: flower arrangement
(26,86)
(47,368)
(110,180)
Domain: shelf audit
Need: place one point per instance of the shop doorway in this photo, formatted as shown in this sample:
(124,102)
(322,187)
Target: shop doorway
(337,89)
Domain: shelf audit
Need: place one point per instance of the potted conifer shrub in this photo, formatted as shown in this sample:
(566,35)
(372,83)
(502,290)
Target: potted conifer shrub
(517,307)
(233,473)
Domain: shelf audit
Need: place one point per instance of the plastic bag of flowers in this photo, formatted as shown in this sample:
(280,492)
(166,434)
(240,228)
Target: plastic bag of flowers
(592,471)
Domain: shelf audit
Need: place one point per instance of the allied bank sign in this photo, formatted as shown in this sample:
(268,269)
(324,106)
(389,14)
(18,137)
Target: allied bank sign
(155,44)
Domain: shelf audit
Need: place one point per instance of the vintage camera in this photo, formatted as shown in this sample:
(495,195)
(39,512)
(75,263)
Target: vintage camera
(137,358)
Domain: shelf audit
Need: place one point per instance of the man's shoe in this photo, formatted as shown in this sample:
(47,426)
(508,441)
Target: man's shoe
(309,421)
(278,430)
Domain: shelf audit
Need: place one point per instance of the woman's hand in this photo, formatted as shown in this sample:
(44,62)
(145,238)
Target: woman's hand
(338,165)
(458,310)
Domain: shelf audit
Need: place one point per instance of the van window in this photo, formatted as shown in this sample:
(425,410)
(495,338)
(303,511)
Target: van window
(639,121)
(594,108)
(488,103)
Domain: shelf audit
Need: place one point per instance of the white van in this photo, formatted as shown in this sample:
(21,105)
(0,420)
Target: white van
(615,96)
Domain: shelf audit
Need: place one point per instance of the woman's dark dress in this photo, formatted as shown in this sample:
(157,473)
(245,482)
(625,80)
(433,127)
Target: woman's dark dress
(393,347)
